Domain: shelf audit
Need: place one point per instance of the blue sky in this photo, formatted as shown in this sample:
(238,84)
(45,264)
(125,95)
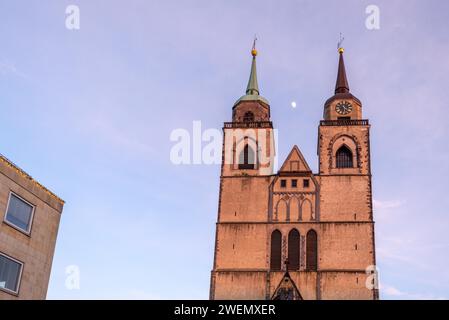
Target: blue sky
(89,113)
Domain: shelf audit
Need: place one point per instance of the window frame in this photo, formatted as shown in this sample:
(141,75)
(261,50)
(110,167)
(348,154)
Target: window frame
(278,266)
(306,183)
(246,165)
(11,224)
(283,183)
(344,157)
(19,281)
(294,183)
(312,265)
(290,253)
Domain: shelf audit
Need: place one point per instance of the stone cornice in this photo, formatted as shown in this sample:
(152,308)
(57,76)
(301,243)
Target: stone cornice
(11,170)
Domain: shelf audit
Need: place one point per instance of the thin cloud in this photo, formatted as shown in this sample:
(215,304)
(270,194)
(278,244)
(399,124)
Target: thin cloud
(8,68)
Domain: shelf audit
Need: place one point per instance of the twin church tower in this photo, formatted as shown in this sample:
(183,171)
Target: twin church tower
(295,234)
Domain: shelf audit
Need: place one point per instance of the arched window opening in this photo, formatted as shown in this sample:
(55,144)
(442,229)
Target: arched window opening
(248,117)
(344,158)
(312,251)
(247,158)
(293,250)
(276,244)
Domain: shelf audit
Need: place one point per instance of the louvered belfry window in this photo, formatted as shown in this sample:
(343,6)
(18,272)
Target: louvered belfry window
(293,250)
(312,251)
(276,244)
(344,158)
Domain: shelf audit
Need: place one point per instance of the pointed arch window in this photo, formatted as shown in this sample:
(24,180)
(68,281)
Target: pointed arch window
(312,251)
(344,158)
(275,257)
(293,250)
(247,158)
(248,117)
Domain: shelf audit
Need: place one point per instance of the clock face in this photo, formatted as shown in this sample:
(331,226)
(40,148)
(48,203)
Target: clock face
(343,107)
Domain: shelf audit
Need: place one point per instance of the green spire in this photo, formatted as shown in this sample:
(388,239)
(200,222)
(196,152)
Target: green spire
(252,90)
(253,87)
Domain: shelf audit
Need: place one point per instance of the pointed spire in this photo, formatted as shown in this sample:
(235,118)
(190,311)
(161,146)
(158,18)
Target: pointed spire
(252,89)
(253,86)
(342,85)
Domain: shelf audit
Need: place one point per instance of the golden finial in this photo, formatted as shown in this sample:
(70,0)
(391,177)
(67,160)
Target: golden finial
(340,48)
(254,51)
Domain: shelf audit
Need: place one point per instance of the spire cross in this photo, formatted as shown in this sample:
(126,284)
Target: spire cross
(253,50)
(254,42)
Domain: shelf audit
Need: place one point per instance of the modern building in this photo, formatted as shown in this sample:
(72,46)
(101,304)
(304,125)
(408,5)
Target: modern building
(295,234)
(29,222)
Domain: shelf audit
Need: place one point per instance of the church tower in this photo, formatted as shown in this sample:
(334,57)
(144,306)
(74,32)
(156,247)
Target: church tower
(248,139)
(347,250)
(294,234)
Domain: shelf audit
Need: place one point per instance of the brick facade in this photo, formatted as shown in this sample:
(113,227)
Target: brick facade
(335,203)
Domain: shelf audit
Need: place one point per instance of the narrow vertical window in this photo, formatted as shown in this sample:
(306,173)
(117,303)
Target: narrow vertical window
(312,251)
(293,250)
(247,158)
(344,158)
(276,243)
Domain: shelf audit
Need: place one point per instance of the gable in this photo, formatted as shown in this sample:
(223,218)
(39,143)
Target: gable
(295,162)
